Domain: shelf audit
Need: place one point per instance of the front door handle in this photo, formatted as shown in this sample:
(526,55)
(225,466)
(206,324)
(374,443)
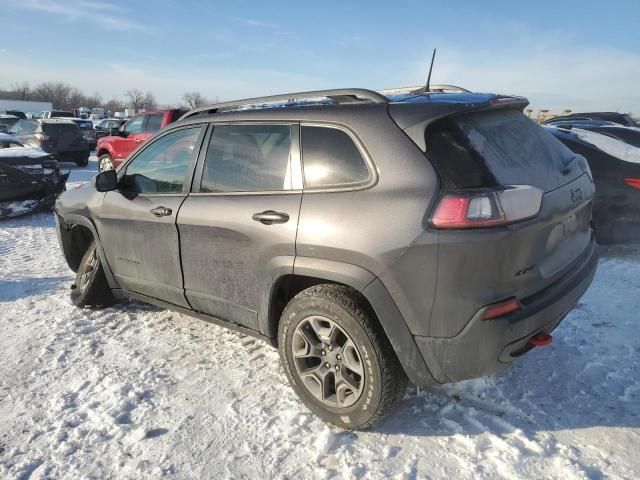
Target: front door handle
(269,217)
(161,211)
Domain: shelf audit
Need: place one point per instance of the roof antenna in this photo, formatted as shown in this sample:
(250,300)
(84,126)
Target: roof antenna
(426,87)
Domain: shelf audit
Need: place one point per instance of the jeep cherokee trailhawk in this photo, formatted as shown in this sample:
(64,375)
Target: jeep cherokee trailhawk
(373,237)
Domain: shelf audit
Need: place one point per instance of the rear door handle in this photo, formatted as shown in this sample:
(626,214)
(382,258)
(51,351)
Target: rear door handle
(161,211)
(269,217)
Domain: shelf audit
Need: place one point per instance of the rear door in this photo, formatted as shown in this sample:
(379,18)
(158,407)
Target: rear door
(238,227)
(137,224)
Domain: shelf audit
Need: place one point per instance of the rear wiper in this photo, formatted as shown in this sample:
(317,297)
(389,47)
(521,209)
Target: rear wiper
(569,165)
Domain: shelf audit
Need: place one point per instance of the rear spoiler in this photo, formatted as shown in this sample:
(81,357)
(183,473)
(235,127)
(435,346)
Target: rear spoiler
(414,118)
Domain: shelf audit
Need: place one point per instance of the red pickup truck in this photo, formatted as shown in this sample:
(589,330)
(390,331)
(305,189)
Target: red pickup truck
(113,150)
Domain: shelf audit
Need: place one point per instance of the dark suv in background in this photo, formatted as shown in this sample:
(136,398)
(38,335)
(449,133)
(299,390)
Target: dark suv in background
(423,235)
(61,137)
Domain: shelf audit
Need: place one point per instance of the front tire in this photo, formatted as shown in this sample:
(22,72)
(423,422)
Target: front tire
(337,359)
(91,288)
(105,162)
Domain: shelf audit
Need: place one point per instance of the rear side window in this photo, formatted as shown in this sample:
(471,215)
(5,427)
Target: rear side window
(154,123)
(248,158)
(331,158)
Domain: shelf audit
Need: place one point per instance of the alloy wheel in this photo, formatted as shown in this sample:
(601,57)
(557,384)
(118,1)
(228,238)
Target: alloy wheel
(328,361)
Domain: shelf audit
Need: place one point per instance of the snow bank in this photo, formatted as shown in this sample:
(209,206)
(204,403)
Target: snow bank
(31,152)
(137,392)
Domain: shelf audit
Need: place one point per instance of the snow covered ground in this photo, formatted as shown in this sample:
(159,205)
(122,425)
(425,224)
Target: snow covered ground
(137,392)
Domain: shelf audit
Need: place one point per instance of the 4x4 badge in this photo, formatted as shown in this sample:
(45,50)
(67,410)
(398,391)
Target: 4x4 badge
(576,195)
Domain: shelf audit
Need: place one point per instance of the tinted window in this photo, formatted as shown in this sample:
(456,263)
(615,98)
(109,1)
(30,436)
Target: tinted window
(330,158)
(59,114)
(163,165)
(134,125)
(154,123)
(58,129)
(496,147)
(248,158)
(8,121)
(85,125)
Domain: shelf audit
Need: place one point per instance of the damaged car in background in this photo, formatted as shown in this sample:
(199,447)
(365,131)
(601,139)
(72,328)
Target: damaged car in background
(30,178)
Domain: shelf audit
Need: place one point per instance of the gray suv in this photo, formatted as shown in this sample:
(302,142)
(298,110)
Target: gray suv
(375,239)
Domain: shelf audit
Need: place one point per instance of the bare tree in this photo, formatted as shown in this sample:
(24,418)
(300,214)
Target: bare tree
(136,99)
(113,105)
(21,91)
(193,99)
(149,101)
(58,93)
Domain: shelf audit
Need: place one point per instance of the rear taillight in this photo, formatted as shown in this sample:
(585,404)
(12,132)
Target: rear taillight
(501,309)
(41,137)
(473,209)
(633,182)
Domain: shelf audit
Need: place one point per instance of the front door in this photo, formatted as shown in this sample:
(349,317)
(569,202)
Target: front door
(239,226)
(129,141)
(137,224)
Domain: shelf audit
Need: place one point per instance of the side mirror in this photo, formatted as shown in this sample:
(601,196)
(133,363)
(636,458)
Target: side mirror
(107,181)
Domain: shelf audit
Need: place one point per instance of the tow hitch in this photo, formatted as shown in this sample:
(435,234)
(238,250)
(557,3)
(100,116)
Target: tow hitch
(540,340)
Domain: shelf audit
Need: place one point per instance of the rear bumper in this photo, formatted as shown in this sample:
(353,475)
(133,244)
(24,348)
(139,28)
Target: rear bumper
(484,347)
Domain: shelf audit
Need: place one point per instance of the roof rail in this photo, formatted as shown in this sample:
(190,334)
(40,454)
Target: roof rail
(421,89)
(338,96)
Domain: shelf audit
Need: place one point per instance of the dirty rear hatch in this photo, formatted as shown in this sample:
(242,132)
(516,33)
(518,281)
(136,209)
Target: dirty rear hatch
(496,148)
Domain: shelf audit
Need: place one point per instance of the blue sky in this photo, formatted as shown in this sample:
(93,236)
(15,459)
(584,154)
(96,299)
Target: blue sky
(575,54)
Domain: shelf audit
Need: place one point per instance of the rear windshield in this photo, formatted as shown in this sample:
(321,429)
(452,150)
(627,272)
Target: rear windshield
(493,148)
(57,114)
(8,121)
(57,129)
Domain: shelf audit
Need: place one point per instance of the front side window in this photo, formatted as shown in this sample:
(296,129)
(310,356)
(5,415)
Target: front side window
(330,158)
(134,125)
(154,123)
(163,165)
(248,158)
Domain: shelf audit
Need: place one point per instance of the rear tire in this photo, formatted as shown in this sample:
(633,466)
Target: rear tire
(105,162)
(91,288)
(337,359)
(82,161)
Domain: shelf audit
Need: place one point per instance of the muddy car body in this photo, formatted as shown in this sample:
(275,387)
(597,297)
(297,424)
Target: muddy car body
(429,235)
